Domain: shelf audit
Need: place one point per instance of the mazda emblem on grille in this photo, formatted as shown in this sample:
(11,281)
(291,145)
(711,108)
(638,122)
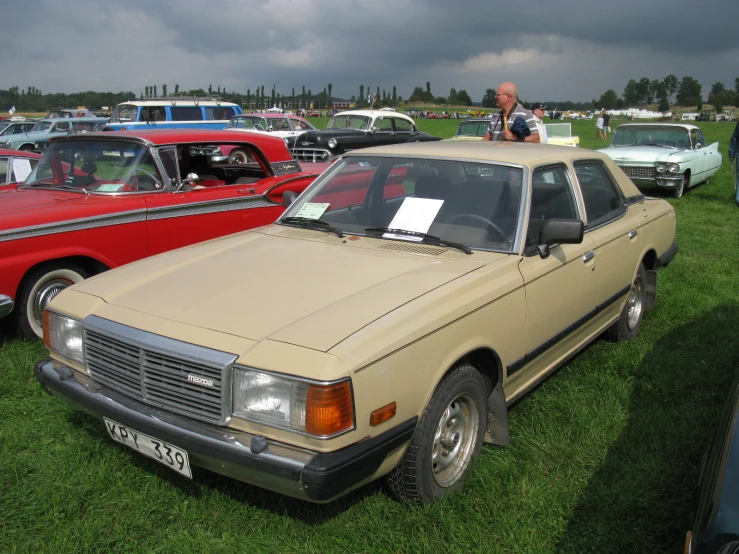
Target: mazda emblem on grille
(200,381)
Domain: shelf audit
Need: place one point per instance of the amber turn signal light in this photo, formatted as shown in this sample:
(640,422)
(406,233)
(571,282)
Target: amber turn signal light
(381,415)
(45,324)
(329,409)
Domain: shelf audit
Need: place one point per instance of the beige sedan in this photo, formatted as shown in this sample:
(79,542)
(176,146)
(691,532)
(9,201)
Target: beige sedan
(381,327)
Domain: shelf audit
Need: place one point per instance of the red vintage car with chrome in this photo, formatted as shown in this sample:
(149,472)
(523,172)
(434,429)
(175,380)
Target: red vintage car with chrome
(96,201)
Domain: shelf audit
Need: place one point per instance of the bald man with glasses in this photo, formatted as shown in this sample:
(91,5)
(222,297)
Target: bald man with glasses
(507,97)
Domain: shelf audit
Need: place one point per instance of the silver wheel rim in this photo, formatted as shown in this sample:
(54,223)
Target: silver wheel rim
(239,158)
(455,439)
(45,295)
(634,304)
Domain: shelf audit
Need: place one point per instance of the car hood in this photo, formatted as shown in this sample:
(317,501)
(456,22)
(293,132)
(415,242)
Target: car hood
(278,283)
(29,136)
(642,154)
(14,200)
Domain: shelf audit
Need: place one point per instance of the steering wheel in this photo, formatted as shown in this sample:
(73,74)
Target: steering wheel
(475,217)
(148,174)
(258,127)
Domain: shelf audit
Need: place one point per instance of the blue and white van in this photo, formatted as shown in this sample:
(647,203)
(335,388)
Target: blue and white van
(172,113)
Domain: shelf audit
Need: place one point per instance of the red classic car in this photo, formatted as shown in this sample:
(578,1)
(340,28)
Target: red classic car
(100,200)
(15,166)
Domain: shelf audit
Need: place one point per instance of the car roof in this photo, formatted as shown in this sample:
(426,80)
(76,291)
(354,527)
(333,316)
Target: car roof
(273,147)
(660,124)
(186,102)
(68,119)
(376,113)
(506,152)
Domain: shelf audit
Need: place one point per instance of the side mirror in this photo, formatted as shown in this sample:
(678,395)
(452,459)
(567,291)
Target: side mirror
(191,179)
(288,197)
(559,231)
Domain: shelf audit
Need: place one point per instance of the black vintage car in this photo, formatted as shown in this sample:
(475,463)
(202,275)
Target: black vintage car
(714,526)
(356,129)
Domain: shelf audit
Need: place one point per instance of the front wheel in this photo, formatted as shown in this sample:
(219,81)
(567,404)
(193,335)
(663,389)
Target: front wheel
(446,441)
(628,324)
(680,190)
(39,287)
(26,148)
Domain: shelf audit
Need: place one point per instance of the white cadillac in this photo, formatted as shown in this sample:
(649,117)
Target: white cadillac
(671,156)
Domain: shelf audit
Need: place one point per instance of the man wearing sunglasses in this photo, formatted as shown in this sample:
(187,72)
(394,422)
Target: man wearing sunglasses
(500,125)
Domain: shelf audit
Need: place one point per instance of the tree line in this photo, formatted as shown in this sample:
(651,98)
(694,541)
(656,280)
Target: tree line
(685,92)
(34,100)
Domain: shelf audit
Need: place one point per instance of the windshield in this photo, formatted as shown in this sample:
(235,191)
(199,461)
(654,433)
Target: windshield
(474,204)
(651,135)
(349,122)
(42,126)
(4,126)
(248,122)
(124,112)
(97,166)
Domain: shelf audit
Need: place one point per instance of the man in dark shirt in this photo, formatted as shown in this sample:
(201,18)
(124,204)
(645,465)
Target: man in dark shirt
(606,124)
(507,97)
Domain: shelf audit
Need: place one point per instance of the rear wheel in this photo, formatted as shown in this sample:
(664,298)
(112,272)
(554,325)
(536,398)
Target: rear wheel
(446,441)
(39,287)
(26,148)
(628,325)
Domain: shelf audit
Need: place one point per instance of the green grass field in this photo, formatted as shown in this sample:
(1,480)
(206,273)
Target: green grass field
(603,457)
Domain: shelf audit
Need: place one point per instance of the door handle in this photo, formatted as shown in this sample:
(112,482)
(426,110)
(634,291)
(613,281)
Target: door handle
(589,255)
(633,233)
(246,191)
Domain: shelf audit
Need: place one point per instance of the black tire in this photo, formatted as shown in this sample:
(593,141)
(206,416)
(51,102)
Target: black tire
(26,148)
(629,323)
(38,288)
(679,191)
(238,157)
(446,441)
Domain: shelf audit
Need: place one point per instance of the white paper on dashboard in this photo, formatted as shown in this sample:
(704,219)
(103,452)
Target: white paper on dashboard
(414,214)
(21,169)
(312,210)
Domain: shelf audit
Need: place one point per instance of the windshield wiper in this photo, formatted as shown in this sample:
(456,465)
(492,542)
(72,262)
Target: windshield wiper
(431,239)
(312,223)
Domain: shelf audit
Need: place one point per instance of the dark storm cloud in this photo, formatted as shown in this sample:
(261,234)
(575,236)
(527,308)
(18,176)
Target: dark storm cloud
(553,49)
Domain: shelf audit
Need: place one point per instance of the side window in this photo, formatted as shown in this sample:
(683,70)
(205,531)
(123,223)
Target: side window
(693,138)
(18,170)
(403,125)
(3,171)
(191,113)
(600,194)
(218,113)
(700,141)
(168,157)
(384,124)
(62,127)
(551,198)
(297,124)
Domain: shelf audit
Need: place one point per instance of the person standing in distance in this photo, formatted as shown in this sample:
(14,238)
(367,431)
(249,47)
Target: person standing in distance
(507,97)
(539,110)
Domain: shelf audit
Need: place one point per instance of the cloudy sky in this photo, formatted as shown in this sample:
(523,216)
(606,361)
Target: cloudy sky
(552,49)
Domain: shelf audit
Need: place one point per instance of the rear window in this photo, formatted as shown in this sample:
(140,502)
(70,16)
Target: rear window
(186,113)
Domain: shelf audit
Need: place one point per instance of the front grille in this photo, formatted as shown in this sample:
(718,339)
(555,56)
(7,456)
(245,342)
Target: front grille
(640,172)
(155,370)
(311,154)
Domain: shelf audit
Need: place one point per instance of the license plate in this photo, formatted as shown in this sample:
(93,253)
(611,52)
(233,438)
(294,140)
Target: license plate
(163,452)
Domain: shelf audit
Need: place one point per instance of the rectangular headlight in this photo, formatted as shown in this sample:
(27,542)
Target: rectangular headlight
(63,335)
(314,408)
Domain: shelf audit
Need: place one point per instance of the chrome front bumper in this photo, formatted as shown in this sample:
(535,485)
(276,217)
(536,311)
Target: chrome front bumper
(276,466)
(6,305)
